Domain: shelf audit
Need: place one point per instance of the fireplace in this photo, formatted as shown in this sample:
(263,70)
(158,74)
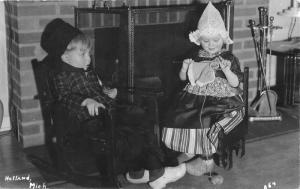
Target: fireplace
(136,47)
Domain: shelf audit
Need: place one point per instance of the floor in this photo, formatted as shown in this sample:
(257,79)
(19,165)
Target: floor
(269,163)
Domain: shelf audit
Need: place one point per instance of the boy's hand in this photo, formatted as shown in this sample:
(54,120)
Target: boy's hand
(92,106)
(186,63)
(112,93)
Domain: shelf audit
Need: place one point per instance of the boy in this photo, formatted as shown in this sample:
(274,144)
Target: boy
(80,90)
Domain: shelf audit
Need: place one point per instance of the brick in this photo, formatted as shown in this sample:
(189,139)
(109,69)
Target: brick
(28,23)
(245,12)
(239,2)
(142,2)
(24,64)
(13,22)
(249,44)
(29,116)
(252,84)
(238,23)
(27,77)
(44,21)
(117,3)
(173,2)
(16,99)
(251,95)
(32,140)
(238,34)
(15,48)
(83,3)
(16,74)
(28,91)
(37,10)
(251,64)
(257,2)
(66,9)
(27,51)
(27,38)
(153,2)
(237,45)
(29,104)
(251,73)
(245,55)
(163,2)
(30,129)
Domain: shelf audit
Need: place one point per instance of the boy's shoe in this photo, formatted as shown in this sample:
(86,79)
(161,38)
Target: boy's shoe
(144,179)
(171,174)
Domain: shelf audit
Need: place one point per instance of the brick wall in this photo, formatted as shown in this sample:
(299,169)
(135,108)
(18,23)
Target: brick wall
(243,44)
(25,21)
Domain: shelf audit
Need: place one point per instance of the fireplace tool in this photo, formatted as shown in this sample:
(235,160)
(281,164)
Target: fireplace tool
(264,106)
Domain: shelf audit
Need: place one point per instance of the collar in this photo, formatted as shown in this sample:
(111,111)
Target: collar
(68,68)
(205,54)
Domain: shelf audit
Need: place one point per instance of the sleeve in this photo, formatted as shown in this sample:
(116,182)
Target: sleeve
(71,101)
(235,68)
(100,97)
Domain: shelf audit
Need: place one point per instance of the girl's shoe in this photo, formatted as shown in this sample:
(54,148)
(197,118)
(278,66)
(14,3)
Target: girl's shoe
(217,179)
(171,174)
(198,166)
(144,179)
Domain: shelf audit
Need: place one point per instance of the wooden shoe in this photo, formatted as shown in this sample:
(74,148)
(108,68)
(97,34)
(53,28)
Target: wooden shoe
(198,166)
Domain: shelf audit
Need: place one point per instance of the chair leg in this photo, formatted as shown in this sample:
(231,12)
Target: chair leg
(157,131)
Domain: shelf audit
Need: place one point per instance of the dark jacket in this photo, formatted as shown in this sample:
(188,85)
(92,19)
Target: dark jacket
(73,85)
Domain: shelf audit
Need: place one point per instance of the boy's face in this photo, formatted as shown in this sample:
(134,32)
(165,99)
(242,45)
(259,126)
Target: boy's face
(212,44)
(78,56)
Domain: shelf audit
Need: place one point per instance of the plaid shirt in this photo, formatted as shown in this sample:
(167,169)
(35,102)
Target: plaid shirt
(73,85)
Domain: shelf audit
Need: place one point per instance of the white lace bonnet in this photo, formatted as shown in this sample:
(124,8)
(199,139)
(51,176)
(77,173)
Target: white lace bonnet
(210,23)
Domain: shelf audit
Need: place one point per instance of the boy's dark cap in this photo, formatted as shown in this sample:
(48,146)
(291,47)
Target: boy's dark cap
(57,35)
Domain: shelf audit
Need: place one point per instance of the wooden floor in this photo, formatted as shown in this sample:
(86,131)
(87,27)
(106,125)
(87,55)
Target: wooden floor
(15,170)
(273,160)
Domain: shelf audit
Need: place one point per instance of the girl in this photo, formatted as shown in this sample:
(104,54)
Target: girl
(210,103)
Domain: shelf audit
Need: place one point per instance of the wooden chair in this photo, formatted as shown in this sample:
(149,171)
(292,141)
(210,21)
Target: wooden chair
(62,130)
(236,139)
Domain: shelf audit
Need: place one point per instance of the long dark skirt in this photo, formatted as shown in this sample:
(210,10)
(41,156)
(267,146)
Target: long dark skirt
(194,121)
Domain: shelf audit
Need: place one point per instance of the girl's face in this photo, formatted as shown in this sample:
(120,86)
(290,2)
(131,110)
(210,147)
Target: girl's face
(212,44)
(78,55)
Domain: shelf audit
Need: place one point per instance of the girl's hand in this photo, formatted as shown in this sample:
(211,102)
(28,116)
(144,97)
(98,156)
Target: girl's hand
(215,65)
(112,93)
(185,64)
(92,106)
(225,64)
